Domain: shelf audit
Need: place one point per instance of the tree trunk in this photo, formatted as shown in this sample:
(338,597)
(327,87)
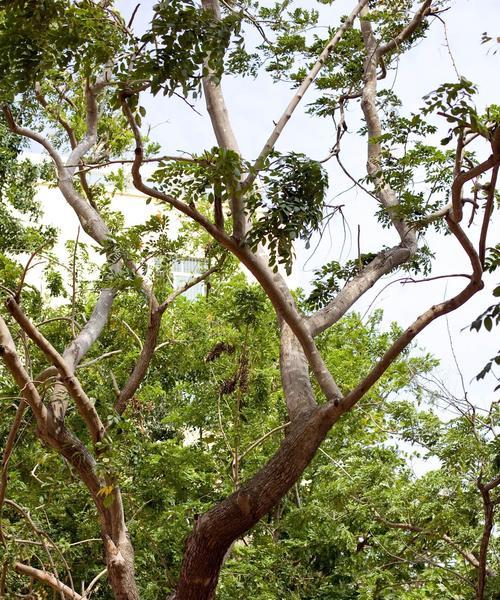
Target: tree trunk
(217,529)
(120,563)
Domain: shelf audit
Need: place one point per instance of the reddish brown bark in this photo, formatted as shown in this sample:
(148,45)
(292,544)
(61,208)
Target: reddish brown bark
(216,530)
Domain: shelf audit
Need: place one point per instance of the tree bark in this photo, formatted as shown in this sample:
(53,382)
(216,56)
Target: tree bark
(216,530)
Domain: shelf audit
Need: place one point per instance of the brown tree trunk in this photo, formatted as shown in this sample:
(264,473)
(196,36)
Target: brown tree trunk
(121,575)
(216,530)
(118,549)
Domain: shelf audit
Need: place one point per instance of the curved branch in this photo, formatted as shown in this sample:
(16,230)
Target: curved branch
(488,211)
(148,348)
(35,136)
(467,556)
(90,138)
(489,514)
(459,182)
(72,384)
(406,32)
(92,329)
(47,578)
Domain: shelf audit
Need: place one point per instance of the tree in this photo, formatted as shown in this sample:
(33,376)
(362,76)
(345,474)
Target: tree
(72,77)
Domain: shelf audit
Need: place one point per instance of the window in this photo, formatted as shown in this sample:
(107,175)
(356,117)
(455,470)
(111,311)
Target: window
(184,269)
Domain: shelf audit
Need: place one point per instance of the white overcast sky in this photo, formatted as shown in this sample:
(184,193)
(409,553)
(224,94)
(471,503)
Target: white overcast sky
(254,104)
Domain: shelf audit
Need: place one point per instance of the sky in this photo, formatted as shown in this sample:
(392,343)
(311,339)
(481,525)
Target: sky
(255,104)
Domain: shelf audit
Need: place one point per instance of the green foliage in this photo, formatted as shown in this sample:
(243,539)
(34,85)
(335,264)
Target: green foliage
(172,452)
(291,207)
(455,102)
(489,318)
(183,44)
(330,278)
(41,37)
(215,174)
(21,232)
(210,410)
(405,160)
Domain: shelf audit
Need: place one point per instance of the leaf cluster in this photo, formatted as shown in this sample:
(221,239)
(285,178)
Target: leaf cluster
(184,44)
(290,208)
(52,36)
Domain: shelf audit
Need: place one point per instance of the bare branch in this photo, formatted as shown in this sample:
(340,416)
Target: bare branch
(184,208)
(189,284)
(123,161)
(219,116)
(383,263)
(47,578)
(26,269)
(36,137)
(406,32)
(92,584)
(150,342)
(488,211)
(72,384)
(90,138)
(21,377)
(57,115)
(98,359)
(467,556)
(294,102)
(263,438)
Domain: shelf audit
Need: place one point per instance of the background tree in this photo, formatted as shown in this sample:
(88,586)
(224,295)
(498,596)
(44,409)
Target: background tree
(72,77)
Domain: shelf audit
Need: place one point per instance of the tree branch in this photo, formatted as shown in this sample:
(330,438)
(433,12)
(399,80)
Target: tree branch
(381,265)
(92,329)
(295,378)
(21,377)
(294,102)
(488,211)
(489,513)
(406,32)
(383,191)
(35,136)
(475,284)
(7,452)
(465,176)
(72,384)
(90,138)
(148,348)
(223,129)
(467,556)
(47,578)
